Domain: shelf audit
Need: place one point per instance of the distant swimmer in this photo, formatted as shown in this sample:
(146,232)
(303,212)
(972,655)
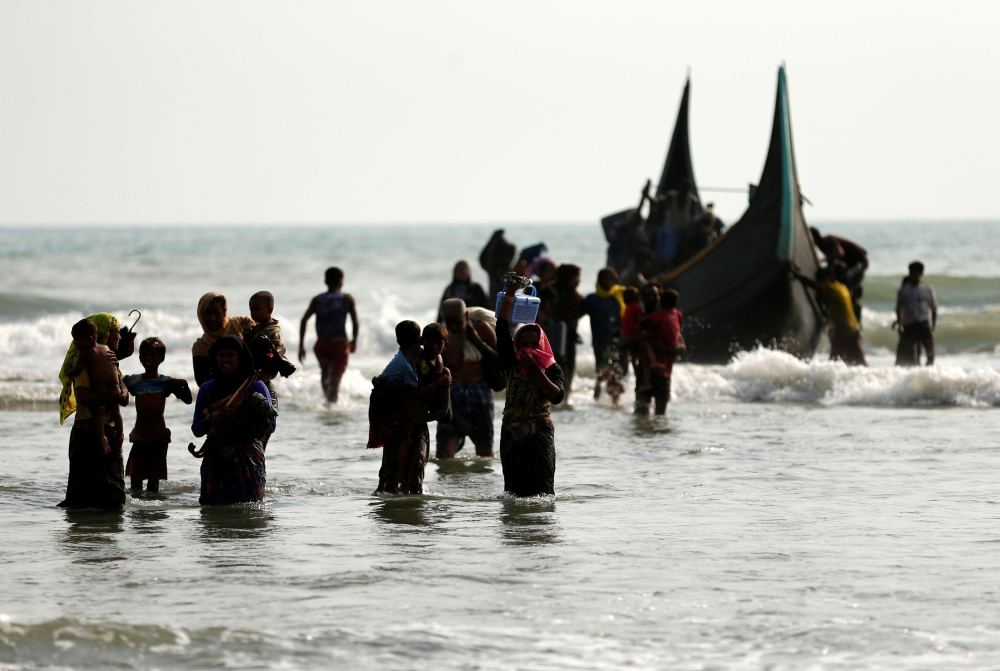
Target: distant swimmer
(332,346)
(916,311)
(848,260)
(463,287)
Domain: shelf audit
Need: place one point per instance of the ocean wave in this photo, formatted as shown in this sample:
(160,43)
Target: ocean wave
(762,376)
(959,330)
(965,292)
(49,334)
(767,376)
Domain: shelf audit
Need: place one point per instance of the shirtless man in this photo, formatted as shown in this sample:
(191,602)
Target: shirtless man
(332,347)
(470,340)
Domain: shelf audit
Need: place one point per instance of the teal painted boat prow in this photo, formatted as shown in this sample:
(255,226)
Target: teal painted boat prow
(740,293)
(789,180)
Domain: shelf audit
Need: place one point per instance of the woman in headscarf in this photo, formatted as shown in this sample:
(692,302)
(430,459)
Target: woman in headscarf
(233,467)
(534,383)
(215,323)
(96,479)
(463,287)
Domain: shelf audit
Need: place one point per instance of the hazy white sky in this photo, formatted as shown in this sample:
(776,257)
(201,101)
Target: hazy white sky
(487,112)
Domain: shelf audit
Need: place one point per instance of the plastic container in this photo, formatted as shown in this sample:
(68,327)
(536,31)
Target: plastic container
(525,308)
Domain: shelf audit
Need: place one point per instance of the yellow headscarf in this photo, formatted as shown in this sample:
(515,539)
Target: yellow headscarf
(67,398)
(234,326)
(617,292)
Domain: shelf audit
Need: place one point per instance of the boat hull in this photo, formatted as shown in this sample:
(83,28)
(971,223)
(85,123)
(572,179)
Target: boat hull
(770,309)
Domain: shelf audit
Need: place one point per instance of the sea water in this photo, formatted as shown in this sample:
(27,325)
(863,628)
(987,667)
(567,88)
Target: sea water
(786,515)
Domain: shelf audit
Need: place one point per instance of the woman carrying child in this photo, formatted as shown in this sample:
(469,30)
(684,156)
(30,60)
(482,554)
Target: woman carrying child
(96,478)
(215,323)
(233,468)
(534,383)
(405,451)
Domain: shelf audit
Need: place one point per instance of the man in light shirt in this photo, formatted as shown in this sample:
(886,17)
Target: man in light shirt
(916,310)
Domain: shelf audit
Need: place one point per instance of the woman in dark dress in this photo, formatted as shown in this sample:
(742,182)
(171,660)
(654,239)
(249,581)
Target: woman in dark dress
(534,383)
(463,287)
(233,468)
(96,479)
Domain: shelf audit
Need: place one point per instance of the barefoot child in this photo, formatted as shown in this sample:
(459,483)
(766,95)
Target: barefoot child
(147,460)
(103,374)
(633,328)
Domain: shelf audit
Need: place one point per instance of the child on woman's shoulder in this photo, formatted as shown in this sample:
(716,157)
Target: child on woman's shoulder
(102,371)
(261,307)
(147,460)
(269,356)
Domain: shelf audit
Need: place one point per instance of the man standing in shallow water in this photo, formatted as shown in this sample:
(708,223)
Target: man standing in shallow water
(916,310)
(470,341)
(332,347)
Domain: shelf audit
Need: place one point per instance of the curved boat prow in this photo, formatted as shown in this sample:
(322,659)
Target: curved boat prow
(738,294)
(676,202)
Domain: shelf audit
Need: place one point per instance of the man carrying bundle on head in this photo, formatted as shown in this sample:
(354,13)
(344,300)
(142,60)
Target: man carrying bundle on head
(472,357)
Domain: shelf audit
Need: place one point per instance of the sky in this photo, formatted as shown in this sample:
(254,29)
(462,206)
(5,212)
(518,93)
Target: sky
(502,112)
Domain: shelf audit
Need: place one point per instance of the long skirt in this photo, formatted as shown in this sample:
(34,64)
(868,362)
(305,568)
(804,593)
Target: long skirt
(147,460)
(96,480)
(528,456)
(417,444)
(238,477)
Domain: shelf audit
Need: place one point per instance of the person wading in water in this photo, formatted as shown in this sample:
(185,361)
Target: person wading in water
(916,310)
(463,287)
(332,347)
(471,346)
(534,383)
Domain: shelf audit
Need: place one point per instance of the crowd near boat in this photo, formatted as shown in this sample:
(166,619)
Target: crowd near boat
(678,284)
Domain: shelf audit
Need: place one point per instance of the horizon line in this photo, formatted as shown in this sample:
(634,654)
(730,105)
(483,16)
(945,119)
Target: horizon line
(318,224)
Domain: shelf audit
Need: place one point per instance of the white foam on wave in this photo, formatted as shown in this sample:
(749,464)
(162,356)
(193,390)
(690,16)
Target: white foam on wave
(31,352)
(49,335)
(767,376)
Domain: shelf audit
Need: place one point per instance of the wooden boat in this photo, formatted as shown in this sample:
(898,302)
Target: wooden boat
(738,293)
